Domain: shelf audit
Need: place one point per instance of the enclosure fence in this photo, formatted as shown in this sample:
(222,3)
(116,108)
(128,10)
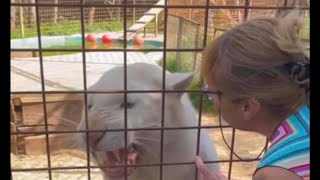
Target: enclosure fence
(66,19)
(184,34)
(176,42)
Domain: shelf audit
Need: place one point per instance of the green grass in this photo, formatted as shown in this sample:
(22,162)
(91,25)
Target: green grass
(49,53)
(71,27)
(67,28)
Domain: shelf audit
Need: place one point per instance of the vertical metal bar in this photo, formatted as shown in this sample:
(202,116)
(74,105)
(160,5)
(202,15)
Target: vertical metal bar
(83,46)
(246,10)
(163,83)
(201,83)
(43,90)
(199,130)
(125,84)
(206,23)
(231,152)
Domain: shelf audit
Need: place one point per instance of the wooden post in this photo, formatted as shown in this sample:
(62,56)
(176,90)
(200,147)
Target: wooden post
(13,15)
(13,139)
(119,12)
(21,20)
(12,114)
(179,39)
(35,54)
(55,17)
(134,12)
(32,9)
(156,25)
(190,10)
(196,46)
(91,14)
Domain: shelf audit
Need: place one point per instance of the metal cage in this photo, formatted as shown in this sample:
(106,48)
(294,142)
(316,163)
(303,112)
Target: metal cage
(206,7)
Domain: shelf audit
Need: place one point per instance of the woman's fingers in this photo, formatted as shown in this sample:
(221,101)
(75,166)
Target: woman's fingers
(202,168)
(205,172)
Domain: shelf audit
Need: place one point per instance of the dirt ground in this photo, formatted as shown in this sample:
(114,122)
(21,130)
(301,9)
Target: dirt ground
(247,145)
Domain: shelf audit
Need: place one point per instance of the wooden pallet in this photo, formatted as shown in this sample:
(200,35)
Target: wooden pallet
(63,114)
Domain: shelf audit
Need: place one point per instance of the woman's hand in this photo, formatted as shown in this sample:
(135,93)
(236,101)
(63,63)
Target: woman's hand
(205,173)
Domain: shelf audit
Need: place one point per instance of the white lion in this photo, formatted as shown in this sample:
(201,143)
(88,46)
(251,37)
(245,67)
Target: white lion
(144,110)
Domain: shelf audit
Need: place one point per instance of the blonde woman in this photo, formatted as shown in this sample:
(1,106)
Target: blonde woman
(262,73)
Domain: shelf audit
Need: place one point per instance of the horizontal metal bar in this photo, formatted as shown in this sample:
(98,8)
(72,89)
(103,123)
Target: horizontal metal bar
(121,129)
(140,165)
(114,91)
(154,6)
(106,50)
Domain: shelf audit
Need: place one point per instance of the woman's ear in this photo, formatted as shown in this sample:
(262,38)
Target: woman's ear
(250,108)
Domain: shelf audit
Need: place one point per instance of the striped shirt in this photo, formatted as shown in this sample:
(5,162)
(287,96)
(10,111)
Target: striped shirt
(290,145)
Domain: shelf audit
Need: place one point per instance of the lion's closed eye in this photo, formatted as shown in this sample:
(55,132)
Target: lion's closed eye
(127,105)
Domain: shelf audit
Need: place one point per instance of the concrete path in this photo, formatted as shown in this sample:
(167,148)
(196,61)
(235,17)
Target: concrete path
(65,72)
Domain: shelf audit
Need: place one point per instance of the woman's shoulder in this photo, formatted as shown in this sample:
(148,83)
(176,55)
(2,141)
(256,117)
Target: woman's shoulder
(275,173)
(290,145)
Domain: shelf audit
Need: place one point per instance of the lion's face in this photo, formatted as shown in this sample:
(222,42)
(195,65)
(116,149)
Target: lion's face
(144,110)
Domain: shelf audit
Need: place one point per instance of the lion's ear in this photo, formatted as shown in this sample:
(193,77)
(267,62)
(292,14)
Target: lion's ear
(180,81)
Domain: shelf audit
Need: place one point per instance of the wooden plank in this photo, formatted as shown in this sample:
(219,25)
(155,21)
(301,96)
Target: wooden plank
(16,101)
(65,114)
(35,145)
(12,113)
(136,27)
(13,139)
(17,110)
(146,18)
(50,98)
(155,11)
(38,128)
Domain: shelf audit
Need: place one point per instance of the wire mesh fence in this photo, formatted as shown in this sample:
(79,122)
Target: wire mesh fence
(65,20)
(186,27)
(184,34)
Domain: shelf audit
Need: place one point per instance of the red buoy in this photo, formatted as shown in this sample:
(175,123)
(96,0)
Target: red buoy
(106,39)
(138,40)
(91,38)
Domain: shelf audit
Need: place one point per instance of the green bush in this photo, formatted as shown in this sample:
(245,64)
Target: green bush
(207,105)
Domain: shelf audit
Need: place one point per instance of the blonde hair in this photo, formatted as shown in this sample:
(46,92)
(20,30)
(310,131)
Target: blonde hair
(259,58)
